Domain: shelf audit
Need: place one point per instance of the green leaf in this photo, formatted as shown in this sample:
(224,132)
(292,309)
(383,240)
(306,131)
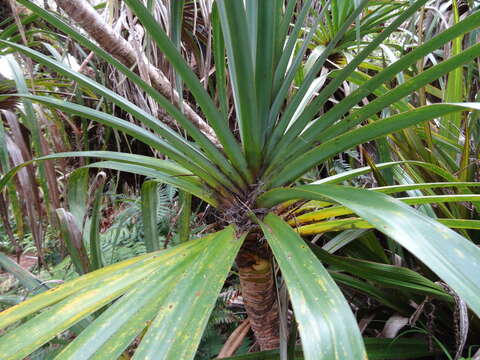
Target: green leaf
(324,95)
(13,28)
(77,194)
(121,269)
(94,231)
(350,174)
(188,306)
(392,299)
(328,328)
(377,349)
(123,103)
(113,331)
(383,274)
(414,200)
(192,130)
(179,144)
(117,326)
(25,278)
(293,105)
(199,191)
(176,18)
(184,220)
(379,128)
(149,215)
(190,159)
(354,223)
(449,255)
(405,89)
(219,59)
(454,92)
(296,61)
(291,39)
(242,75)
(77,299)
(316,129)
(267,20)
(420,186)
(162,170)
(205,102)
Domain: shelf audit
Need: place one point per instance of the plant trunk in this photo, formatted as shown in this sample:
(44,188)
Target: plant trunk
(258,291)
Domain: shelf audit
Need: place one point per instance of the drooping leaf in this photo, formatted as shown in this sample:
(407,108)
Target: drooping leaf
(71,302)
(383,274)
(449,255)
(163,170)
(328,328)
(177,329)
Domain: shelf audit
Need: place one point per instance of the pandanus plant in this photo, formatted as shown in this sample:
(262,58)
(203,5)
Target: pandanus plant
(248,170)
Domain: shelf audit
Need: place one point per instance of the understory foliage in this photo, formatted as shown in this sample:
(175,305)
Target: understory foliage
(258,179)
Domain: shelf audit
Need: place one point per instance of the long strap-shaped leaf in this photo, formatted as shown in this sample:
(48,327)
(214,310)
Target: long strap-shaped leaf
(462,186)
(299,166)
(350,174)
(386,275)
(290,40)
(342,76)
(402,90)
(220,61)
(13,28)
(117,327)
(180,182)
(405,187)
(149,198)
(177,329)
(165,166)
(366,89)
(30,306)
(268,18)
(296,60)
(414,200)
(354,223)
(99,288)
(377,349)
(449,255)
(214,154)
(27,279)
(242,74)
(293,105)
(214,116)
(187,155)
(327,325)
(180,144)
(163,170)
(123,103)
(21,341)
(110,334)
(462,27)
